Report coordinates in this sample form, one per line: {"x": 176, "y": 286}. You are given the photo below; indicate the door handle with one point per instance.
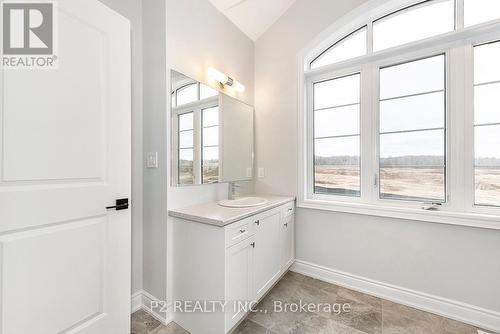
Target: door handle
{"x": 252, "y": 244}
{"x": 257, "y": 222}
{"x": 121, "y": 204}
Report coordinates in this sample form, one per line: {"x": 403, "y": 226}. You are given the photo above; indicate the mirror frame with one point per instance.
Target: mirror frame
{"x": 173, "y": 138}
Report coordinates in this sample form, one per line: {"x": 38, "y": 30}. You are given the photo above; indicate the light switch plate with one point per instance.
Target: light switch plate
{"x": 261, "y": 172}
{"x": 152, "y": 160}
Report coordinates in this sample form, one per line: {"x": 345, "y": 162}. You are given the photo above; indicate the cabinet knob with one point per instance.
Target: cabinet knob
{"x": 252, "y": 244}
{"x": 242, "y": 231}
{"x": 257, "y": 222}
{"x": 286, "y": 224}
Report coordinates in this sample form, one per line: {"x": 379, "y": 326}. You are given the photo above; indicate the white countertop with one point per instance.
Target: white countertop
{"x": 214, "y": 214}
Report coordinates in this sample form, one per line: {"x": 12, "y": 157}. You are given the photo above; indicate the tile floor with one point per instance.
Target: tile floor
{"x": 143, "y": 323}
{"x": 367, "y": 314}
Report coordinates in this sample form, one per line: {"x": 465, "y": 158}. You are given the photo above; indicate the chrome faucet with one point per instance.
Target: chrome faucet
{"x": 232, "y": 186}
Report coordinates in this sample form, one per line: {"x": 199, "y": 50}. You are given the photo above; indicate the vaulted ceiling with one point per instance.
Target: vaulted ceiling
{"x": 253, "y": 17}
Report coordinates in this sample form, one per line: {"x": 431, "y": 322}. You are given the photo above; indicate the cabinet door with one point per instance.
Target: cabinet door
{"x": 267, "y": 253}
{"x": 287, "y": 241}
{"x": 239, "y": 287}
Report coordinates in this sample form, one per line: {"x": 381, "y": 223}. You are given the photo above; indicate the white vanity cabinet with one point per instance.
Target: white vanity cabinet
{"x": 288, "y": 235}
{"x": 267, "y": 252}
{"x": 235, "y": 263}
{"x": 239, "y": 278}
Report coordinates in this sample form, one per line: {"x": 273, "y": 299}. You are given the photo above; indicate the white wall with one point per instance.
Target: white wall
{"x": 458, "y": 263}
{"x": 131, "y": 9}
{"x": 155, "y": 140}
{"x": 199, "y": 37}
{"x": 192, "y": 36}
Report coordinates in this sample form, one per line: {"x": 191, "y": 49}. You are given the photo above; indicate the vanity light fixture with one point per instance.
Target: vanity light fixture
{"x": 225, "y": 80}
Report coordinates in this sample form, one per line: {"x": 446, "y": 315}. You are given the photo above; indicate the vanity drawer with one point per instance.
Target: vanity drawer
{"x": 288, "y": 210}
{"x": 239, "y": 231}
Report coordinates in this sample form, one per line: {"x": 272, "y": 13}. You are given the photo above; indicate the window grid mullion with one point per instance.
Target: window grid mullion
{"x": 487, "y": 83}
{"x": 486, "y": 124}
{"x": 411, "y": 131}
{"x": 459, "y": 14}
{"x": 412, "y": 95}
{"x": 338, "y": 136}
{"x": 210, "y": 126}
{"x": 338, "y": 106}
{"x": 369, "y": 140}
{"x": 369, "y": 37}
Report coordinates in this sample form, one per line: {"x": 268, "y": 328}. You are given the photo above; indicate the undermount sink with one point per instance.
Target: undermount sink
{"x": 243, "y": 202}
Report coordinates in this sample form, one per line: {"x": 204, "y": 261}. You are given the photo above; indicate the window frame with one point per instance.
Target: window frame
{"x": 462, "y": 4}
{"x": 311, "y": 151}
{"x": 313, "y": 113}
{"x": 178, "y": 147}
{"x": 399, "y": 60}
{"x": 338, "y": 42}
{"x": 469, "y": 168}
{"x": 410, "y": 6}
{"x": 187, "y": 84}
{"x": 203, "y": 146}
{"x": 183, "y": 87}
{"x": 457, "y": 45}
{"x": 196, "y": 108}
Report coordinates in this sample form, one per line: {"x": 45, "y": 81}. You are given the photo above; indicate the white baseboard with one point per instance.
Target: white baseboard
{"x": 473, "y": 315}
{"x": 136, "y": 301}
{"x": 160, "y": 310}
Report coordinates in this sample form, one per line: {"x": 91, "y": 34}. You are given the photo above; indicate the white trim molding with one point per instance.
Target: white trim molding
{"x": 136, "y": 301}
{"x": 477, "y": 220}
{"x": 470, "y": 314}
{"x": 160, "y": 310}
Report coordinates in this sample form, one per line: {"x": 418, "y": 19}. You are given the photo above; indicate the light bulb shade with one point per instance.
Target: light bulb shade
{"x": 213, "y": 74}
{"x": 238, "y": 87}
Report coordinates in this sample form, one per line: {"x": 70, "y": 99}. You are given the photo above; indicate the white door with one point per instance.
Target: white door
{"x": 267, "y": 253}
{"x": 65, "y": 155}
{"x": 287, "y": 236}
{"x": 239, "y": 264}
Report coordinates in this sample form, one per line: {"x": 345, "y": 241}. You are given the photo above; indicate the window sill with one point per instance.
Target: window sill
{"x": 442, "y": 217}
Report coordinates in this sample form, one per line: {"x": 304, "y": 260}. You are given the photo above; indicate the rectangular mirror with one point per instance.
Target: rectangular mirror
{"x": 212, "y": 134}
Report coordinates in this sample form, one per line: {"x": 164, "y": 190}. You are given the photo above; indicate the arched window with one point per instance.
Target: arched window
{"x": 403, "y": 106}
{"x": 187, "y": 94}
{"x": 351, "y": 46}
{"x": 196, "y": 110}
{"x": 191, "y": 92}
